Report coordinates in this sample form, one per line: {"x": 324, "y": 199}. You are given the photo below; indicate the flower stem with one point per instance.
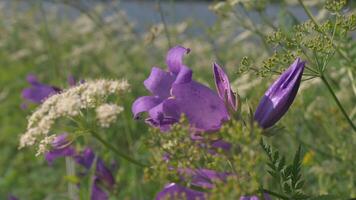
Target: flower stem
{"x": 116, "y": 151}
{"x": 325, "y": 81}
{"x": 72, "y": 189}
{"x": 166, "y": 32}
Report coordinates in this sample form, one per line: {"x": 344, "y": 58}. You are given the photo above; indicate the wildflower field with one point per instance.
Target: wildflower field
{"x": 257, "y": 104}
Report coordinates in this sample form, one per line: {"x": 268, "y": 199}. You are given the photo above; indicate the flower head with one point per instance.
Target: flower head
{"x": 280, "y": 95}
{"x": 175, "y": 93}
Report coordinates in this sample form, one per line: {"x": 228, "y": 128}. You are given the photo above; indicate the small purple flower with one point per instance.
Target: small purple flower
{"x": 175, "y": 93}
{"x": 12, "y": 197}
{"x": 38, "y": 92}
{"x": 280, "y": 95}
{"x": 223, "y": 86}
{"x": 175, "y": 191}
{"x": 61, "y": 147}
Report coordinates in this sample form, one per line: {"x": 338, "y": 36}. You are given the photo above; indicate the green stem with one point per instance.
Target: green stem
{"x": 115, "y": 150}
{"x": 325, "y": 81}
{"x": 166, "y": 32}
{"x": 275, "y": 194}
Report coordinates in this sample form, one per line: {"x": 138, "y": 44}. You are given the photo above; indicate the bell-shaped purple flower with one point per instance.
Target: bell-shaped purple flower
{"x": 175, "y": 93}
{"x": 61, "y": 147}
{"x": 38, "y": 92}
{"x": 280, "y": 95}
{"x": 175, "y": 191}
{"x": 223, "y": 87}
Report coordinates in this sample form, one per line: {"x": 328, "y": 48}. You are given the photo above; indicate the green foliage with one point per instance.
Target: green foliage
{"x": 288, "y": 176}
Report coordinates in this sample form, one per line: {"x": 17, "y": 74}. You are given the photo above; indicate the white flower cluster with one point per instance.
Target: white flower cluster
{"x": 107, "y": 114}
{"x": 68, "y": 103}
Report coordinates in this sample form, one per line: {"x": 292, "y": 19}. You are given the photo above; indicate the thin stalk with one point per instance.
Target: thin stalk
{"x": 116, "y": 151}
{"x": 275, "y": 194}
{"x": 72, "y": 189}
{"x": 166, "y": 32}
{"x": 325, "y": 81}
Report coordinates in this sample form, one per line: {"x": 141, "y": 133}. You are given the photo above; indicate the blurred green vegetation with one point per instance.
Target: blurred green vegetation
{"x": 35, "y": 40}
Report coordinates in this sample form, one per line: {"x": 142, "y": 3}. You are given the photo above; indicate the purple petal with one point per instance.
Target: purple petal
{"x": 38, "y": 92}
{"x": 12, "y": 197}
{"x": 32, "y": 79}
{"x": 97, "y": 193}
{"x": 226, "y": 146}
{"x": 159, "y": 82}
{"x": 61, "y": 147}
{"x": 85, "y": 158}
{"x": 223, "y": 86}
{"x": 174, "y": 58}
{"x": 144, "y": 104}
{"x": 164, "y": 114}
{"x": 175, "y": 191}
{"x": 104, "y": 174}
{"x": 280, "y": 95}
{"x": 184, "y": 75}
{"x": 56, "y": 153}
{"x": 205, "y": 178}
{"x": 202, "y": 106}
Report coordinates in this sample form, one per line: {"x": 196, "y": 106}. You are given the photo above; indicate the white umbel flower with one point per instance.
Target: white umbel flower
{"x": 107, "y": 114}
{"x": 69, "y": 103}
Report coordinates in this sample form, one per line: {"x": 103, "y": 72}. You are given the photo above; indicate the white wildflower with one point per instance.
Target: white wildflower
{"x": 107, "y": 114}
{"x": 69, "y": 103}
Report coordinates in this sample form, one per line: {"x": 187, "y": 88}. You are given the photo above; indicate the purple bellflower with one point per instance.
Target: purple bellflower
{"x": 38, "y": 92}
{"x": 280, "y": 95}
{"x": 175, "y": 93}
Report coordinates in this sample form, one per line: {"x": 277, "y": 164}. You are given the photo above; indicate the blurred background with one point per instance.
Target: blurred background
{"x": 89, "y": 39}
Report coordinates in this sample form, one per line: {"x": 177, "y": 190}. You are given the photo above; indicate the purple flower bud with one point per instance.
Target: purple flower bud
{"x": 175, "y": 191}
{"x": 223, "y": 86}
{"x": 280, "y": 95}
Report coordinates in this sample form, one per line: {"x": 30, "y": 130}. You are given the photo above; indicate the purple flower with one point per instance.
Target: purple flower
{"x": 175, "y": 93}
{"x": 280, "y": 95}
{"x": 175, "y": 191}
{"x": 85, "y": 158}
{"x": 38, "y": 92}
{"x": 61, "y": 147}
{"x": 223, "y": 86}
{"x": 254, "y": 197}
